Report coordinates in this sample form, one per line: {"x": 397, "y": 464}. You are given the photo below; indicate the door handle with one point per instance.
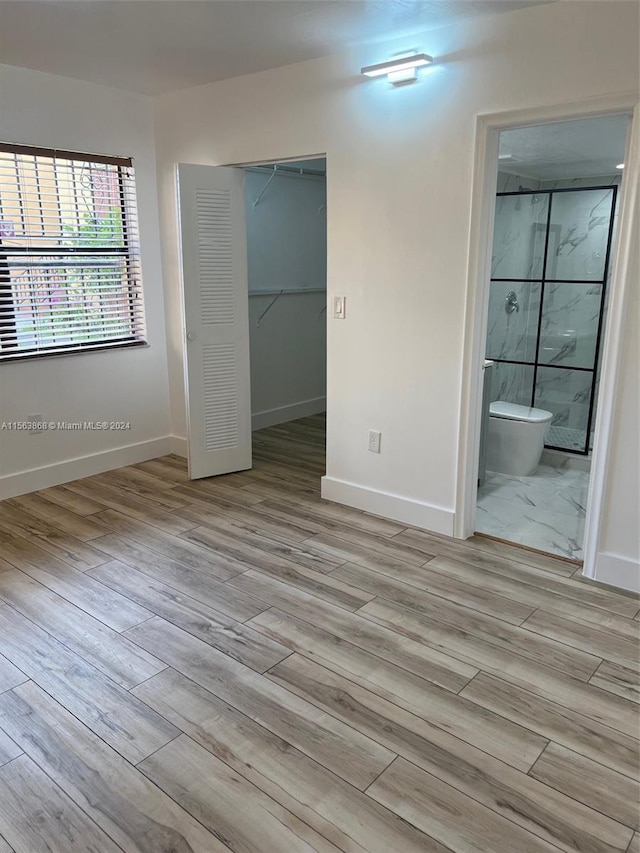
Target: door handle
{"x": 191, "y": 336}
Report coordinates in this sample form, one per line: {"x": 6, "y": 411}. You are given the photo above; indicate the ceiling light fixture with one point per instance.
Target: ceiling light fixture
{"x": 620, "y": 166}
{"x": 402, "y": 69}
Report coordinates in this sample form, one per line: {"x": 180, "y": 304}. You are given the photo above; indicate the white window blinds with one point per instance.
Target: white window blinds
{"x": 69, "y": 253}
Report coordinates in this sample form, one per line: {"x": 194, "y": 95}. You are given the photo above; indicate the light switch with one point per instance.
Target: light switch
{"x": 339, "y": 307}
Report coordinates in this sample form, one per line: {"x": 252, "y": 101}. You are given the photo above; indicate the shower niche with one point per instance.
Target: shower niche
{"x": 550, "y": 266}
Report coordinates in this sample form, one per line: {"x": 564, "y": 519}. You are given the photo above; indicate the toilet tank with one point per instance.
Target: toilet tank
{"x": 515, "y": 412}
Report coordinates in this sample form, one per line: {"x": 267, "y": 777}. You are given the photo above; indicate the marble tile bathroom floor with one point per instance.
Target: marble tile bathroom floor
{"x": 545, "y": 511}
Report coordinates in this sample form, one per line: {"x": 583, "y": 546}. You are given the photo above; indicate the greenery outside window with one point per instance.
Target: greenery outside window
{"x": 69, "y": 253}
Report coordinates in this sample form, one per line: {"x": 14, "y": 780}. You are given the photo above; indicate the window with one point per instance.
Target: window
{"x": 69, "y": 254}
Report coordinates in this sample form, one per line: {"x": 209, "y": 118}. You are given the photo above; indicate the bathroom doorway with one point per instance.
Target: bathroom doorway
{"x": 555, "y": 222}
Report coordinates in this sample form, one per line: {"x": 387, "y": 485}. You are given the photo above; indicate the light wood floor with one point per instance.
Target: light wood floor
{"x": 233, "y": 664}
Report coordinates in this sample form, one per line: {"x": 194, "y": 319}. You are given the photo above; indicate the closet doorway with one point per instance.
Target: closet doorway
{"x": 287, "y": 283}
{"x": 254, "y": 258}
{"x": 286, "y": 204}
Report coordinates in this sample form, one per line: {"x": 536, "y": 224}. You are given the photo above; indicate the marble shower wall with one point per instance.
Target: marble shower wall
{"x": 516, "y": 183}
{"x": 579, "y": 233}
{"x": 512, "y": 383}
{"x": 518, "y": 236}
{"x": 571, "y": 311}
{"x": 566, "y": 393}
{"x": 513, "y": 336}
{"x": 584, "y": 317}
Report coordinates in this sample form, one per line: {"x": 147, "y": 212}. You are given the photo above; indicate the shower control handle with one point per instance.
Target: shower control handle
{"x": 511, "y": 303}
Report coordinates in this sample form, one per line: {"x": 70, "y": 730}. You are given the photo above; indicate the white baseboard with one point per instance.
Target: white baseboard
{"x": 617, "y": 571}
{"x": 282, "y": 414}
{"x": 179, "y": 446}
{"x": 34, "y": 479}
{"x": 435, "y": 519}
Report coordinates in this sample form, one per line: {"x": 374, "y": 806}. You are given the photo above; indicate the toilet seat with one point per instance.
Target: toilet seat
{"x": 515, "y": 412}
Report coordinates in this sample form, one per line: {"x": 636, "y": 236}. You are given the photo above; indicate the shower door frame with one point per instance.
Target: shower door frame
{"x": 543, "y": 280}
{"x": 485, "y": 176}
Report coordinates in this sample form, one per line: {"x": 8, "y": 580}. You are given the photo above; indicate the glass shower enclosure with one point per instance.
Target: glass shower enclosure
{"x": 551, "y": 259}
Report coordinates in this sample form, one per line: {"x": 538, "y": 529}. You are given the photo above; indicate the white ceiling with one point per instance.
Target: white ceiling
{"x": 568, "y": 149}
{"x": 155, "y": 46}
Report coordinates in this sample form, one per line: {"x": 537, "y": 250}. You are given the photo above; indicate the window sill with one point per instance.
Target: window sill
{"x": 81, "y": 350}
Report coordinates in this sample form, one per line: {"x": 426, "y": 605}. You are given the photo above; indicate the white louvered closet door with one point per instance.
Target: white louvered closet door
{"x": 214, "y": 274}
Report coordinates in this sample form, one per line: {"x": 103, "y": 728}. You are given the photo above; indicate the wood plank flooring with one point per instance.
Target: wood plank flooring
{"x": 233, "y": 664}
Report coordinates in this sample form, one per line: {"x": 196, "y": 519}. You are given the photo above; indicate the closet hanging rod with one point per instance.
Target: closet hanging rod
{"x": 287, "y": 291}
{"x": 287, "y": 171}
{"x": 281, "y": 170}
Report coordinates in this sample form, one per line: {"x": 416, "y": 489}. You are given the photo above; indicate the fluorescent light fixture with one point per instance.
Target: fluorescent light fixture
{"x": 404, "y": 75}
{"x": 620, "y": 166}
{"x": 394, "y": 68}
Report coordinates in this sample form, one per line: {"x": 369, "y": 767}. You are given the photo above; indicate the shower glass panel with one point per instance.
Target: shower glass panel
{"x": 569, "y": 327}
{"x": 580, "y": 253}
{"x": 551, "y": 255}
{"x": 566, "y": 393}
{"x": 512, "y": 382}
{"x": 519, "y": 236}
{"x": 512, "y": 336}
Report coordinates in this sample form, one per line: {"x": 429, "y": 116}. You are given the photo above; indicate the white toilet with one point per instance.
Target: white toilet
{"x": 515, "y": 438}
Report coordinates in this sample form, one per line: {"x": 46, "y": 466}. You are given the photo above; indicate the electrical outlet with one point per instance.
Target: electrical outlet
{"x": 374, "y": 440}
{"x": 35, "y": 419}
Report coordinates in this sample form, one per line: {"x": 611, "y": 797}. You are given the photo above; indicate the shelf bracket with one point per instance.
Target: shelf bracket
{"x": 266, "y": 186}
{"x": 269, "y": 307}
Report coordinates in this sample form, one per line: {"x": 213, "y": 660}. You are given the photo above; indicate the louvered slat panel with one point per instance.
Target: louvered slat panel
{"x": 213, "y": 210}
{"x": 221, "y": 396}
{"x": 214, "y": 277}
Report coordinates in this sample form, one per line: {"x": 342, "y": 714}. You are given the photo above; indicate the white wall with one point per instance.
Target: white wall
{"x": 618, "y": 558}
{"x": 123, "y": 385}
{"x": 286, "y": 250}
{"x": 286, "y": 231}
{"x": 399, "y": 170}
{"x": 288, "y": 357}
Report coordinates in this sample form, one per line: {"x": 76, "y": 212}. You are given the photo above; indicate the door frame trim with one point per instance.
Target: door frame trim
{"x": 485, "y": 173}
